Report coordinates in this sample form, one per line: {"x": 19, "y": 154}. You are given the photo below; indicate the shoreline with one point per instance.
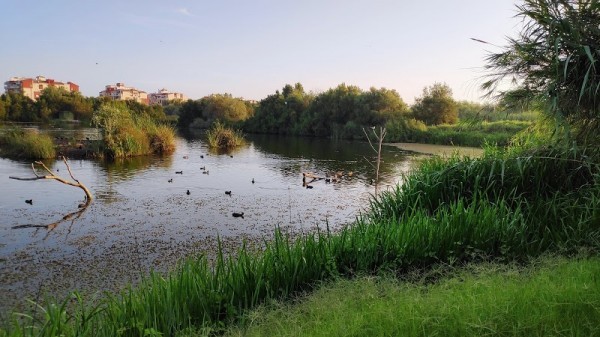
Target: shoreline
{"x": 439, "y": 150}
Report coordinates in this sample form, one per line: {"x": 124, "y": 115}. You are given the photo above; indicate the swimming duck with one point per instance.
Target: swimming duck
{"x": 188, "y": 192}
{"x": 29, "y": 201}
{"x": 309, "y": 186}
{"x": 253, "y": 180}
{"x": 238, "y": 215}
{"x": 171, "y": 180}
{"x": 178, "y": 172}
{"x": 228, "y": 193}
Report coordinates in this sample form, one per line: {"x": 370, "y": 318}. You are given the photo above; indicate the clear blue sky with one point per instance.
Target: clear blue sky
{"x": 250, "y": 48}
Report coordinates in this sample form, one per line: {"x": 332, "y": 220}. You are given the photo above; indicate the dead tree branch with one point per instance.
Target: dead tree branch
{"x": 51, "y": 175}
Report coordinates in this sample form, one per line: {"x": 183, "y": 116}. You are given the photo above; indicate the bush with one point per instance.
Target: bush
{"x": 222, "y": 137}
{"x": 27, "y": 144}
{"x": 126, "y": 134}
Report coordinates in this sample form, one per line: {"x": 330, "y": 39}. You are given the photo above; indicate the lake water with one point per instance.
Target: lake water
{"x": 140, "y": 221}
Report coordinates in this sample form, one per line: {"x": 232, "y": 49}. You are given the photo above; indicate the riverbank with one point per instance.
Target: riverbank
{"x": 439, "y": 150}
{"x": 500, "y": 207}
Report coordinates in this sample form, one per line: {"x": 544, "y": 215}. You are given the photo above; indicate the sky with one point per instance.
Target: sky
{"x": 252, "y": 48}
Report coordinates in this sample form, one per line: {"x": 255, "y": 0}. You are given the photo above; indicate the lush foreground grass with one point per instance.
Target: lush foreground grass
{"x": 551, "y": 297}
{"x": 26, "y": 144}
{"x": 504, "y": 206}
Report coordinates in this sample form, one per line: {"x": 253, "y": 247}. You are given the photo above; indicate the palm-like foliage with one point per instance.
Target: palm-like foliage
{"x": 554, "y": 59}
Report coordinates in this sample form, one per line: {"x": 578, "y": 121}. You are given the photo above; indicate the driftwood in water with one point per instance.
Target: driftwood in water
{"x": 51, "y": 175}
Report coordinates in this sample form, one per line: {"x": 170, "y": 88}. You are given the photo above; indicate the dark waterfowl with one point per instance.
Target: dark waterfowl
{"x": 171, "y": 180}
{"x": 185, "y": 157}
{"x": 253, "y": 180}
{"x": 188, "y": 192}
{"x": 309, "y": 186}
{"x": 228, "y": 193}
{"x": 205, "y": 172}
{"x": 178, "y": 172}
{"x": 201, "y": 156}
{"x": 29, "y": 201}
{"x": 238, "y": 215}
{"x": 203, "y": 168}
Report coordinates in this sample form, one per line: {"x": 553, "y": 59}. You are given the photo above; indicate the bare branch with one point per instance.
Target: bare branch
{"x": 51, "y": 175}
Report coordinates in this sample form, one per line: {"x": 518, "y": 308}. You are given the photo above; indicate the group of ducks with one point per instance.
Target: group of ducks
{"x": 333, "y": 178}
{"x": 205, "y": 171}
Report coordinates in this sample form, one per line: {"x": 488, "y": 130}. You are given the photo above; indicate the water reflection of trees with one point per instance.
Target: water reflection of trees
{"x": 324, "y": 156}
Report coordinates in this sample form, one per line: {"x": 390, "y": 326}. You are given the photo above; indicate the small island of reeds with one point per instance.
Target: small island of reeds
{"x": 26, "y": 144}
{"x": 220, "y": 136}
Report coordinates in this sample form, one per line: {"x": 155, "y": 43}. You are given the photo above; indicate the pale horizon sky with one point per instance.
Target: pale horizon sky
{"x": 250, "y": 49}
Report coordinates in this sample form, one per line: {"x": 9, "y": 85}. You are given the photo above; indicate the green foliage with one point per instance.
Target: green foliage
{"x": 549, "y": 297}
{"x": 18, "y": 108}
{"x": 224, "y": 107}
{"x": 222, "y": 137}
{"x": 553, "y": 60}
{"x": 54, "y": 102}
{"x": 341, "y": 112}
{"x": 26, "y": 144}
{"x": 436, "y": 106}
{"x": 126, "y": 133}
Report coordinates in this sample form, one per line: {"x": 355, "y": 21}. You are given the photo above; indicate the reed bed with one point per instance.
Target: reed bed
{"x": 504, "y": 206}
{"x": 222, "y": 137}
{"x": 27, "y": 144}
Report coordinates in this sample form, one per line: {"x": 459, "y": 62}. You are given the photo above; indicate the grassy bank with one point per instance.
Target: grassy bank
{"x": 476, "y": 134}
{"x": 26, "y": 144}
{"x": 549, "y": 297}
{"x": 504, "y": 206}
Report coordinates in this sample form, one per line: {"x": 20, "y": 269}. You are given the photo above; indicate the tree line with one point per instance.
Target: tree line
{"x": 340, "y": 112}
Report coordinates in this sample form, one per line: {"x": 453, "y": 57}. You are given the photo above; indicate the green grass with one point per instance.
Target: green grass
{"x": 26, "y": 144}
{"x": 504, "y": 206}
{"x": 125, "y": 134}
{"x": 551, "y": 297}
{"x": 469, "y": 133}
{"x": 222, "y": 137}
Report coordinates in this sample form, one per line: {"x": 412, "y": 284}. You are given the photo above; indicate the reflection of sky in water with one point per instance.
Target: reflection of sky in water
{"x": 136, "y": 192}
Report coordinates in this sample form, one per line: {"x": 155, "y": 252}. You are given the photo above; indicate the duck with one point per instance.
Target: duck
{"x": 29, "y": 201}
{"x": 238, "y": 215}
{"x": 178, "y": 172}
{"x": 205, "y": 172}
{"x": 185, "y": 157}
{"x": 228, "y": 193}
{"x": 201, "y": 156}
{"x": 171, "y": 180}
{"x": 253, "y": 180}
{"x": 309, "y": 186}
{"x": 203, "y": 168}
{"x": 231, "y": 156}
{"x": 188, "y": 192}
{"x": 327, "y": 180}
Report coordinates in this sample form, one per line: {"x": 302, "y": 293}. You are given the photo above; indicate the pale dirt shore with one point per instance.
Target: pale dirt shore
{"x": 440, "y": 150}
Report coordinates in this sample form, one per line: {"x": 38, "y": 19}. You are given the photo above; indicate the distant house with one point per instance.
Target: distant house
{"x": 164, "y": 97}
{"x": 120, "y": 92}
{"x": 33, "y": 87}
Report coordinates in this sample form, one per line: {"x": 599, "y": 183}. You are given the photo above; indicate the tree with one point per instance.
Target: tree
{"x": 554, "y": 60}
{"x": 436, "y": 106}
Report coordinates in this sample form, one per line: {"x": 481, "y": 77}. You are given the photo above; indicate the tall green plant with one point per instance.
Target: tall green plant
{"x": 554, "y": 60}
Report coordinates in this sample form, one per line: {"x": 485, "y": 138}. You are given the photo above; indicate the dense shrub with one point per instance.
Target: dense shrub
{"x": 26, "y": 144}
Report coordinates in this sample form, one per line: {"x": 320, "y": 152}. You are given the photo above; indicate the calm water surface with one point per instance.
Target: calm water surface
{"x": 141, "y": 221}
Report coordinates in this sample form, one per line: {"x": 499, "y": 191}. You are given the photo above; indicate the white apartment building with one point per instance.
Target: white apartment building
{"x": 120, "y": 92}
{"x": 33, "y": 87}
{"x": 164, "y": 96}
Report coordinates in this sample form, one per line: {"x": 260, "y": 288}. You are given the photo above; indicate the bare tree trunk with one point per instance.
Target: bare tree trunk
{"x": 51, "y": 175}
{"x": 379, "y": 137}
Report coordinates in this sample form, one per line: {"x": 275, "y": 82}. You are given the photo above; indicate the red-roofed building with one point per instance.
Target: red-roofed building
{"x": 33, "y": 87}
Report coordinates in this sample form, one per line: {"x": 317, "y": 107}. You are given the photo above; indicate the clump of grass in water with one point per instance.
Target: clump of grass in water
{"x": 27, "y": 144}
{"x": 222, "y": 137}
